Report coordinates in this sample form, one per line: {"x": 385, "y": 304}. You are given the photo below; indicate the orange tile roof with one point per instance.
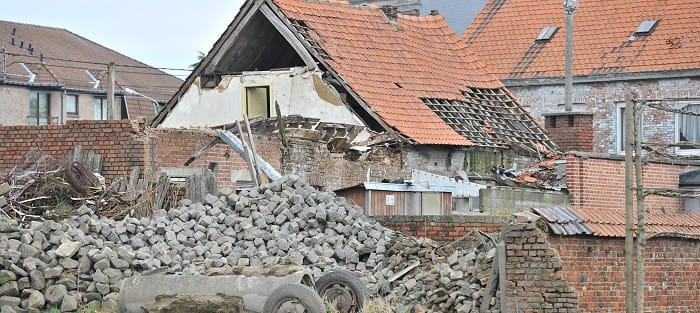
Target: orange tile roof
{"x": 503, "y": 35}
{"x": 611, "y": 223}
{"x": 393, "y": 66}
{"x": 67, "y": 56}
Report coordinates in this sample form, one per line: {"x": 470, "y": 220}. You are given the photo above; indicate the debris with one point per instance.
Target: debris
{"x": 283, "y": 222}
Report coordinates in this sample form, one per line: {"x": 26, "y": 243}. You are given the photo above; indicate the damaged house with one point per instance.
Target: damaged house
{"x": 391, "y": 80}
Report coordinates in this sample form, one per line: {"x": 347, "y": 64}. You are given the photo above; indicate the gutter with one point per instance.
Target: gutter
{"x": 600, "y": 78}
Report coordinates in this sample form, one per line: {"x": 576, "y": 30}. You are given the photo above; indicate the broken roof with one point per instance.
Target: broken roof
{"x": 60, "y": 58}
{"x": 611, "y": 223}
{"x": 411, "y": 75}
{"x": 606, "y": 37}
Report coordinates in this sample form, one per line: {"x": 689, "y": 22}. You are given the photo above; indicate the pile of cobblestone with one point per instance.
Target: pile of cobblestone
{"x": 84, "y": 259}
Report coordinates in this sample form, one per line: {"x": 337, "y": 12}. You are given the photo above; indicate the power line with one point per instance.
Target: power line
{"x": 95, "y": 63}
{"x": 103, "y": 70}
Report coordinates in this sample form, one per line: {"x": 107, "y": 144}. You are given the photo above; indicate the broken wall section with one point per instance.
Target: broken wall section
{"x": 535, "y": 281}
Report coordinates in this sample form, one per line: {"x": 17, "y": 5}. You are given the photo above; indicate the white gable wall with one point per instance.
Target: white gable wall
{"x": 298, "y": 91}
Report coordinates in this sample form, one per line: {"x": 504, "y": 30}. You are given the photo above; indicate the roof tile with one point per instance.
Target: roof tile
{"x": 394, "y": 65}
{"x": 67, "y": 57}
{"x": 602, "y": 30}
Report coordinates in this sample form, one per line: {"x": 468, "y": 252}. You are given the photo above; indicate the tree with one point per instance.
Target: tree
{"x": 200, "y": 57}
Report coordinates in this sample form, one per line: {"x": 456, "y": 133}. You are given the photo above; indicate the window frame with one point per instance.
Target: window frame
{"x": 77, "y": 105}
{"x": 36, "y": 119}
{"x": 620, "y": 109}
{"x": 103, "y": 108}
{"x": 244, "y": 105}
{"x": 682, "y": 105}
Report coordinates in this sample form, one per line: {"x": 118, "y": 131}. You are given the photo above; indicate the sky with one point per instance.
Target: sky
{"x": 160, "y": 33}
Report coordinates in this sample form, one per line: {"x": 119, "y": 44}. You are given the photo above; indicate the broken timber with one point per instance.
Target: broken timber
{"x": 237, "y": 146}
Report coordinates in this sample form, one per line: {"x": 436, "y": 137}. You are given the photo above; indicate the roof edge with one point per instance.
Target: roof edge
{"x": 598, "y": 78}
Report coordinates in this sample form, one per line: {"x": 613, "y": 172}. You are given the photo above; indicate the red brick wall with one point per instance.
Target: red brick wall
{"x": 442, "y": 228}
{"x": 536, "y": 281}
{"x": 595, "y": 266}
{"x": 120, "y": 143}
{"x": 171, "y": 148}
{"x": 571, "y": 132}
{"x": 598, "y": 182}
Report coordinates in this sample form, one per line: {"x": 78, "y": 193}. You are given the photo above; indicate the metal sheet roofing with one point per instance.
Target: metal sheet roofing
{"x": 611, "y": 223}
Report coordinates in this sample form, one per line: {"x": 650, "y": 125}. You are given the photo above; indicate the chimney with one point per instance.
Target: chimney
{"x": 434, "y": 12}
{"x": 390, "y": 11}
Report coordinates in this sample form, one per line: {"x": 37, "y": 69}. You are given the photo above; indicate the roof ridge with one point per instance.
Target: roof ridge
{"x": 32, "y": 25}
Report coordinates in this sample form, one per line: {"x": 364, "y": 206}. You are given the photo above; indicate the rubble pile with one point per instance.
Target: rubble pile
{"x": 83, "y": 259}
{"x": 437, "y": 278}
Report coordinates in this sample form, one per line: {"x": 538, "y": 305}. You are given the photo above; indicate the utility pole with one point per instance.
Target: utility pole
{"x": 111, "y": 109}
{"x": 641, "y": 221}
{"x": 629, "y": 221}
{"x": 569, "y": 7}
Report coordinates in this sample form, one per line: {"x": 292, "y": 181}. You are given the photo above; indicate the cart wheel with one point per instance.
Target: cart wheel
{"x": 294, "y": 298}
{"x": 342, "y": 290}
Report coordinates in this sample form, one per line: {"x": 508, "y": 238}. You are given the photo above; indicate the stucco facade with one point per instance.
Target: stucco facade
{"x": 15, "y": 105}
{"x": 297, "y": 90}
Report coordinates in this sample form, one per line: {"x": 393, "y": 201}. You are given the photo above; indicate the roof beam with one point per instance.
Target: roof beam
{"x": 289, "y": 36}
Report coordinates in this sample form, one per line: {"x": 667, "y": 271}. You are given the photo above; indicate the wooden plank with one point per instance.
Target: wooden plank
{"x": 248, "y": 158}
{"x": 237, "y": 146}
{"x": 280, "y": 124}
{"x": 261, "y": 178}
{"x": 78, "y": 153}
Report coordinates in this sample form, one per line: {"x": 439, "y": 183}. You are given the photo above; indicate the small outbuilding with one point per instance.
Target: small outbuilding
{"x": 399, "y": 198}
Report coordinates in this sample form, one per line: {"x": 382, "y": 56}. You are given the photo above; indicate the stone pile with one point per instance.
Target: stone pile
{"x": 444, "y": 279}
{"x": 84, "y": 259}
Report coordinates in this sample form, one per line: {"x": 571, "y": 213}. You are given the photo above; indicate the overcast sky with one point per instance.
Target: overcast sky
{"x": 160, "y": 33}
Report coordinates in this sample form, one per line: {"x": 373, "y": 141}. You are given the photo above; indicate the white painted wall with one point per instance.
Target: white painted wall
{"x": 297, "y": 90}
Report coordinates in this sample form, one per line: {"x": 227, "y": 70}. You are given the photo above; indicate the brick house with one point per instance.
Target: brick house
{"x": 51, "y": 75}
{"x": 651, "y": 46}
{"x": 406, "y": 77}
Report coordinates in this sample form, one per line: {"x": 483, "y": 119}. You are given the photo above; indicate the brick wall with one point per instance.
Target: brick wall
{"x": 534, "y": 271}
{"x": 603, "y": 101}
{"x": 119, "y": 142}
{"x": 171, "y": 148}
{"x": 442, "y": 228}
{"x": 595, "y": 266}
{"x": 571, "y": 131}
{"x": 598, "y": 182}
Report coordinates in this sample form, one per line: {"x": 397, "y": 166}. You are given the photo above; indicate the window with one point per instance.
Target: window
{"x": 689, "y": 125}
{"x": 72, "y": 104}
{"x": 100, "y": 108}
{"x": 621, "y": 128}
{"x": 646, "y": 27}
{"x": 546, "y": 33}
{"x": 39, "y": 112}
{"x": 257, "y": 101}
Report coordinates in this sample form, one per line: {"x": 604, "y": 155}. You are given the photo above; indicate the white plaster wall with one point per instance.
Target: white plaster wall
{"x": 14, "y": 105}
{"x": 296, "y": 90}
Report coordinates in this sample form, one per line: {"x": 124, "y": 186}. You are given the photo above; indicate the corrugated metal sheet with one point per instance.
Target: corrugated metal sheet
{"x": 563, "y": 221}
{"x": 611, "y": 223}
